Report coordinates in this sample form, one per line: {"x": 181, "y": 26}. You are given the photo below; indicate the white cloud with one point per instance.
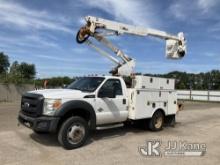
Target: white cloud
{"x": 73, "y": 70}
{"x": 25, "y": 18}
{"x": 188, "y": 10}
{"x": 131, "y": 11}
{"x": 41, "y": 41}
{"x": 70, "y": 68}
{"x": 206, "y": 5}
{"x": 33, "y": 41}
{"x": 210, "y": 54}
{"x": 75, "y": 61}
{"x": 215, "y": 28}
{"x": 177, "y": 10}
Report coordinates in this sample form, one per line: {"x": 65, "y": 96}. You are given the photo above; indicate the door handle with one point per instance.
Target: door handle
{"x": 124, "y": 101}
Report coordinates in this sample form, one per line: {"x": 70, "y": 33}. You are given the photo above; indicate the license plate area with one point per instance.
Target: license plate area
{"x": 28, "y": 124}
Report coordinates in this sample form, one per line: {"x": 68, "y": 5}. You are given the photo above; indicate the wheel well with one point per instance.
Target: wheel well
{"x": 161, "y": 110}
{"x": 75, "y": 112}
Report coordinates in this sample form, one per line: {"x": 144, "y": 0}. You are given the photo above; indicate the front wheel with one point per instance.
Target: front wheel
{"x": 73, "y": 132}
{"x": 157, "y": 121}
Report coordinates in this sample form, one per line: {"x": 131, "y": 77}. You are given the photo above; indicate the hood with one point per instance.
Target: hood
{"x": 60, "y": 93}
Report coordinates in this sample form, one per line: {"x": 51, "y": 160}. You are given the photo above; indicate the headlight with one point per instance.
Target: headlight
{"x": 51, "y": 105}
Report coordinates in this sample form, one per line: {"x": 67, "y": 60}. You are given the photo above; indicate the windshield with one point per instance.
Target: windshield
{"x": 88, "y": 84}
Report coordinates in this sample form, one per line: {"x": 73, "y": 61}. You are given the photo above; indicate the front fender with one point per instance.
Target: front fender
{"x": 78, "y": 104}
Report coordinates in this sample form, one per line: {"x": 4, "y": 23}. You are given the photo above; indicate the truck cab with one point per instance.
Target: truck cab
{"x": 107, "y": 95}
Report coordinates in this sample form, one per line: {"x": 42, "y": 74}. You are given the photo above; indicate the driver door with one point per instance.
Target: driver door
{"x": 111, "y": 103}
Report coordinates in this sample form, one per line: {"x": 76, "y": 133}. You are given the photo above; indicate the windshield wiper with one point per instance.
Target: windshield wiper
{"x": 86, "y": 90}
{"x": 76, "y": 88}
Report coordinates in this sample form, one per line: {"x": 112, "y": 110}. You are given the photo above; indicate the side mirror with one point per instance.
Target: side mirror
{"x": 109, "y": 93}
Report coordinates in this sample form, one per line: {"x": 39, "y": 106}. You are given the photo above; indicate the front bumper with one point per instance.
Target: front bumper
{"x": 41, "y": 124}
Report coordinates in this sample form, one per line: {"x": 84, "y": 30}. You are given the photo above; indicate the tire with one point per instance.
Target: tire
{"x": 73, "y": 133}
{"x": 157, "y": 121}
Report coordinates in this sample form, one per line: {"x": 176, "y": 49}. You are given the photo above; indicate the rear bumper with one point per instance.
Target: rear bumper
{"x": 41, "y": 124}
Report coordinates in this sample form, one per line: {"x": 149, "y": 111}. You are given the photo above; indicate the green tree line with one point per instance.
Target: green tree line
{"x": 54, "y": 82}
{"x": 197, "y": 81}
{"x": 16, "y": 72}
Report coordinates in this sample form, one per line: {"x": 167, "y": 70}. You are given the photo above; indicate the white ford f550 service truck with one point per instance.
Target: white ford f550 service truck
{"x": 97, "y": 103}
{"x": 102, "y": 102}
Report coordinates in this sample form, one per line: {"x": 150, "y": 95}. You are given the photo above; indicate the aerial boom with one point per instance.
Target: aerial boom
{"x": 99, "y": 28}
{"x": 121, "y": 28}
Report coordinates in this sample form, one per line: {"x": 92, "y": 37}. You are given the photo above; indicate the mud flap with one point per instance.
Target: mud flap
{"x": 170, "y": 120}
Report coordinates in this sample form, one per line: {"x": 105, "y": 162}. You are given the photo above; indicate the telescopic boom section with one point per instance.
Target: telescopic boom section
{"x": 98, "y": 28}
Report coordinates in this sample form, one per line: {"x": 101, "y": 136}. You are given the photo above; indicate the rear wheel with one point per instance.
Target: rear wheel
{"x": 73, "y": 132}
{"x": 157, "y": 121}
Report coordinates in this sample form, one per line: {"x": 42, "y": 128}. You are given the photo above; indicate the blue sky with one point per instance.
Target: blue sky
{"x": 43, "y": 32}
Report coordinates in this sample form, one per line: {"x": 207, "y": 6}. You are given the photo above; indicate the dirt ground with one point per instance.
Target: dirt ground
{"x": 197, "y": 123}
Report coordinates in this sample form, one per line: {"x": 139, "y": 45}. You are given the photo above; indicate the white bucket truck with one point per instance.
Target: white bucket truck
{"x": 101, "y": 102}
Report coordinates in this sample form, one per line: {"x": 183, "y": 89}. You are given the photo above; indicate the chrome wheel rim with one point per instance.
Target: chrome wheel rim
{"x": 75, "y": 133}
{"x": 158, "y": 122}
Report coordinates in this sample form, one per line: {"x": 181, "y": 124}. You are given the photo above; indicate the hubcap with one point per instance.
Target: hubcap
{"x": 75, "y": 133}
{"x": 158, "y": 122}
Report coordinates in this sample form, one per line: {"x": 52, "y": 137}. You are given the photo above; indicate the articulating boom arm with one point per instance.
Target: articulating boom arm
{"x": 98, "y": 28}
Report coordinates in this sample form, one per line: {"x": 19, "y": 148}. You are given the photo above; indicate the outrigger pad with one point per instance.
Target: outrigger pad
{"x": 82, "y": 35}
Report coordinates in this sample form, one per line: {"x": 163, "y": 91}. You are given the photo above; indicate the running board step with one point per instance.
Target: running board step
{"x": 109, "y": 126}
